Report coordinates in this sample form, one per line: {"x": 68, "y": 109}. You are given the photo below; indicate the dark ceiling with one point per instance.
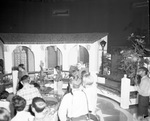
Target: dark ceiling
{"x": 118, "y": 18}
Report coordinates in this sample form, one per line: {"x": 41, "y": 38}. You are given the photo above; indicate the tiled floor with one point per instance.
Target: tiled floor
{"x": 111, "y": 111}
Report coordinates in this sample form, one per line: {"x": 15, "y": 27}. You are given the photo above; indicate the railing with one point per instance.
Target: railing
{"x": 123, "y": 96}
{"x": 33, "y": 75}
{"x": 8, "y": 76}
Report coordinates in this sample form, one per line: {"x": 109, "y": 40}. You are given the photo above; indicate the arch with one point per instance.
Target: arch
{"x": 24, "y": 55}
{"x": 83, "y": 55}
{"x": 78, "y": 53}
{"x": 54, "y": 56}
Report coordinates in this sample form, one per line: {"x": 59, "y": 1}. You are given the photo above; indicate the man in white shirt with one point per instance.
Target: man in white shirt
{"x": 74, "y": 104}
{"x": 144, "y": 92}
{"x": 19, "y": 104}
{"x": 91, "y": 92}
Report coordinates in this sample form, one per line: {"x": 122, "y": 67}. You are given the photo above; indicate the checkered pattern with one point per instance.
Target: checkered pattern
{"x": 28, "y": 92}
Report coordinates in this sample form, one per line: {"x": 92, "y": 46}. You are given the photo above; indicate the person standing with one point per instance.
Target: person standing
{"x": 58, "y": 80}
{"x": 91, "y": 92}
{"x": 74, "y": 104}
{"x": 144, "y": 92}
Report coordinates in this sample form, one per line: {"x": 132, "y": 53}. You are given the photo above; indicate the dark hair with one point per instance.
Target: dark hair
{"x": 76, "y": 81}
{"x": 4, "y": 114}
{"x": 57, "y": 67}
{"x": 18, "y": 102}
{"x": 38, "y": 108}
{"x": 35, "y": 85}
{"x": 24, "y": 78}
{"x": 72, "y": 70}
{"x": 21, "y": 66}
{"x": 144, "y": 69}
{"x": 4, "y": 94}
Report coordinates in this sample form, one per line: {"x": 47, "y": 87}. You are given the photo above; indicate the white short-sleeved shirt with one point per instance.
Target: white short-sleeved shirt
{"x": 23, "y": 116}
{"x": 73, "y": 105}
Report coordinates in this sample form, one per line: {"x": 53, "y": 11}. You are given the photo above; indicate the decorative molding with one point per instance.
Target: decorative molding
{"x": 64, "y": 46}
{"x": 42, "y": 47}
{"x": 19, "y": 38}
{"x": 88, "y": 47}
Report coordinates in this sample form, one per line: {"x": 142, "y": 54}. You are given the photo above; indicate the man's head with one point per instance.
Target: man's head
{"x": 19, "y": 103}
{"x": 21, "y": 67}
{"x": 58, "y": 68}
{"x": 142, "y": 71}
{"x": 25, "y": 79}
{"x": 38, "y": 105}
{"x": 75, "y": 81}
{"x": 4, "y": 114}
{"x": 73, "y": 70}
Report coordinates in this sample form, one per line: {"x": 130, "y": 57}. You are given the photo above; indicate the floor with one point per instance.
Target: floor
{"x": 111, "y": 111}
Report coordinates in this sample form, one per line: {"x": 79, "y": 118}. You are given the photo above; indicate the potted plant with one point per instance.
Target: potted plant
{"x": 133, "y": 58}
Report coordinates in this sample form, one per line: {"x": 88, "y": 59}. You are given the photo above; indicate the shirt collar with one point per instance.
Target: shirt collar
{"x": 27, "y": 85}
{"x": 20, "y": 112}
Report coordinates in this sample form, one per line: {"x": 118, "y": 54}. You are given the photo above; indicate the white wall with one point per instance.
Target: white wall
{"x": 39, "y": 51}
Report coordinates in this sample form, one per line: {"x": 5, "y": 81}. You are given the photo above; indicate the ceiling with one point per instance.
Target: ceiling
{"x": 108, "y": 16}
{"x": 41, "y": 0}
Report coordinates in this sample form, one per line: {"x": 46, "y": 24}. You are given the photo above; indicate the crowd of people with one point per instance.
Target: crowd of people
{"x": 78, "y": 102}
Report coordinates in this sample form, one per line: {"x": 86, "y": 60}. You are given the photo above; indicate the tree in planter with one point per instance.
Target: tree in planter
{"x": 133, "y": 58}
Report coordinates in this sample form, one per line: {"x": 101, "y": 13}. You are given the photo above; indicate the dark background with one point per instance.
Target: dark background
{"x": 118, "y": 18}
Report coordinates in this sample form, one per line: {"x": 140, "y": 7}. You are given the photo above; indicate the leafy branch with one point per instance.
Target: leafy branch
{"x": 132, "y": 58}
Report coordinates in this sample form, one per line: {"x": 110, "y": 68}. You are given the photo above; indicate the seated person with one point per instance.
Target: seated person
{"x": 28, "y": 92}
{"x": 36, "y": 85}
{"x": 74, "y": 104}
{"x": 4, "y": 114}
{"x": 41, "y": 111}
{"x": 19, "y": 104}
{"x": 21, "y": 73}
{"x": 3, "y": 93}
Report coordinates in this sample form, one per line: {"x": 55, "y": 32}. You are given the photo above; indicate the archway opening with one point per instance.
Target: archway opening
{"x": 23, "y": 55}
{"x": 54, "y": 56}
{"x": 78, "y": 54}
